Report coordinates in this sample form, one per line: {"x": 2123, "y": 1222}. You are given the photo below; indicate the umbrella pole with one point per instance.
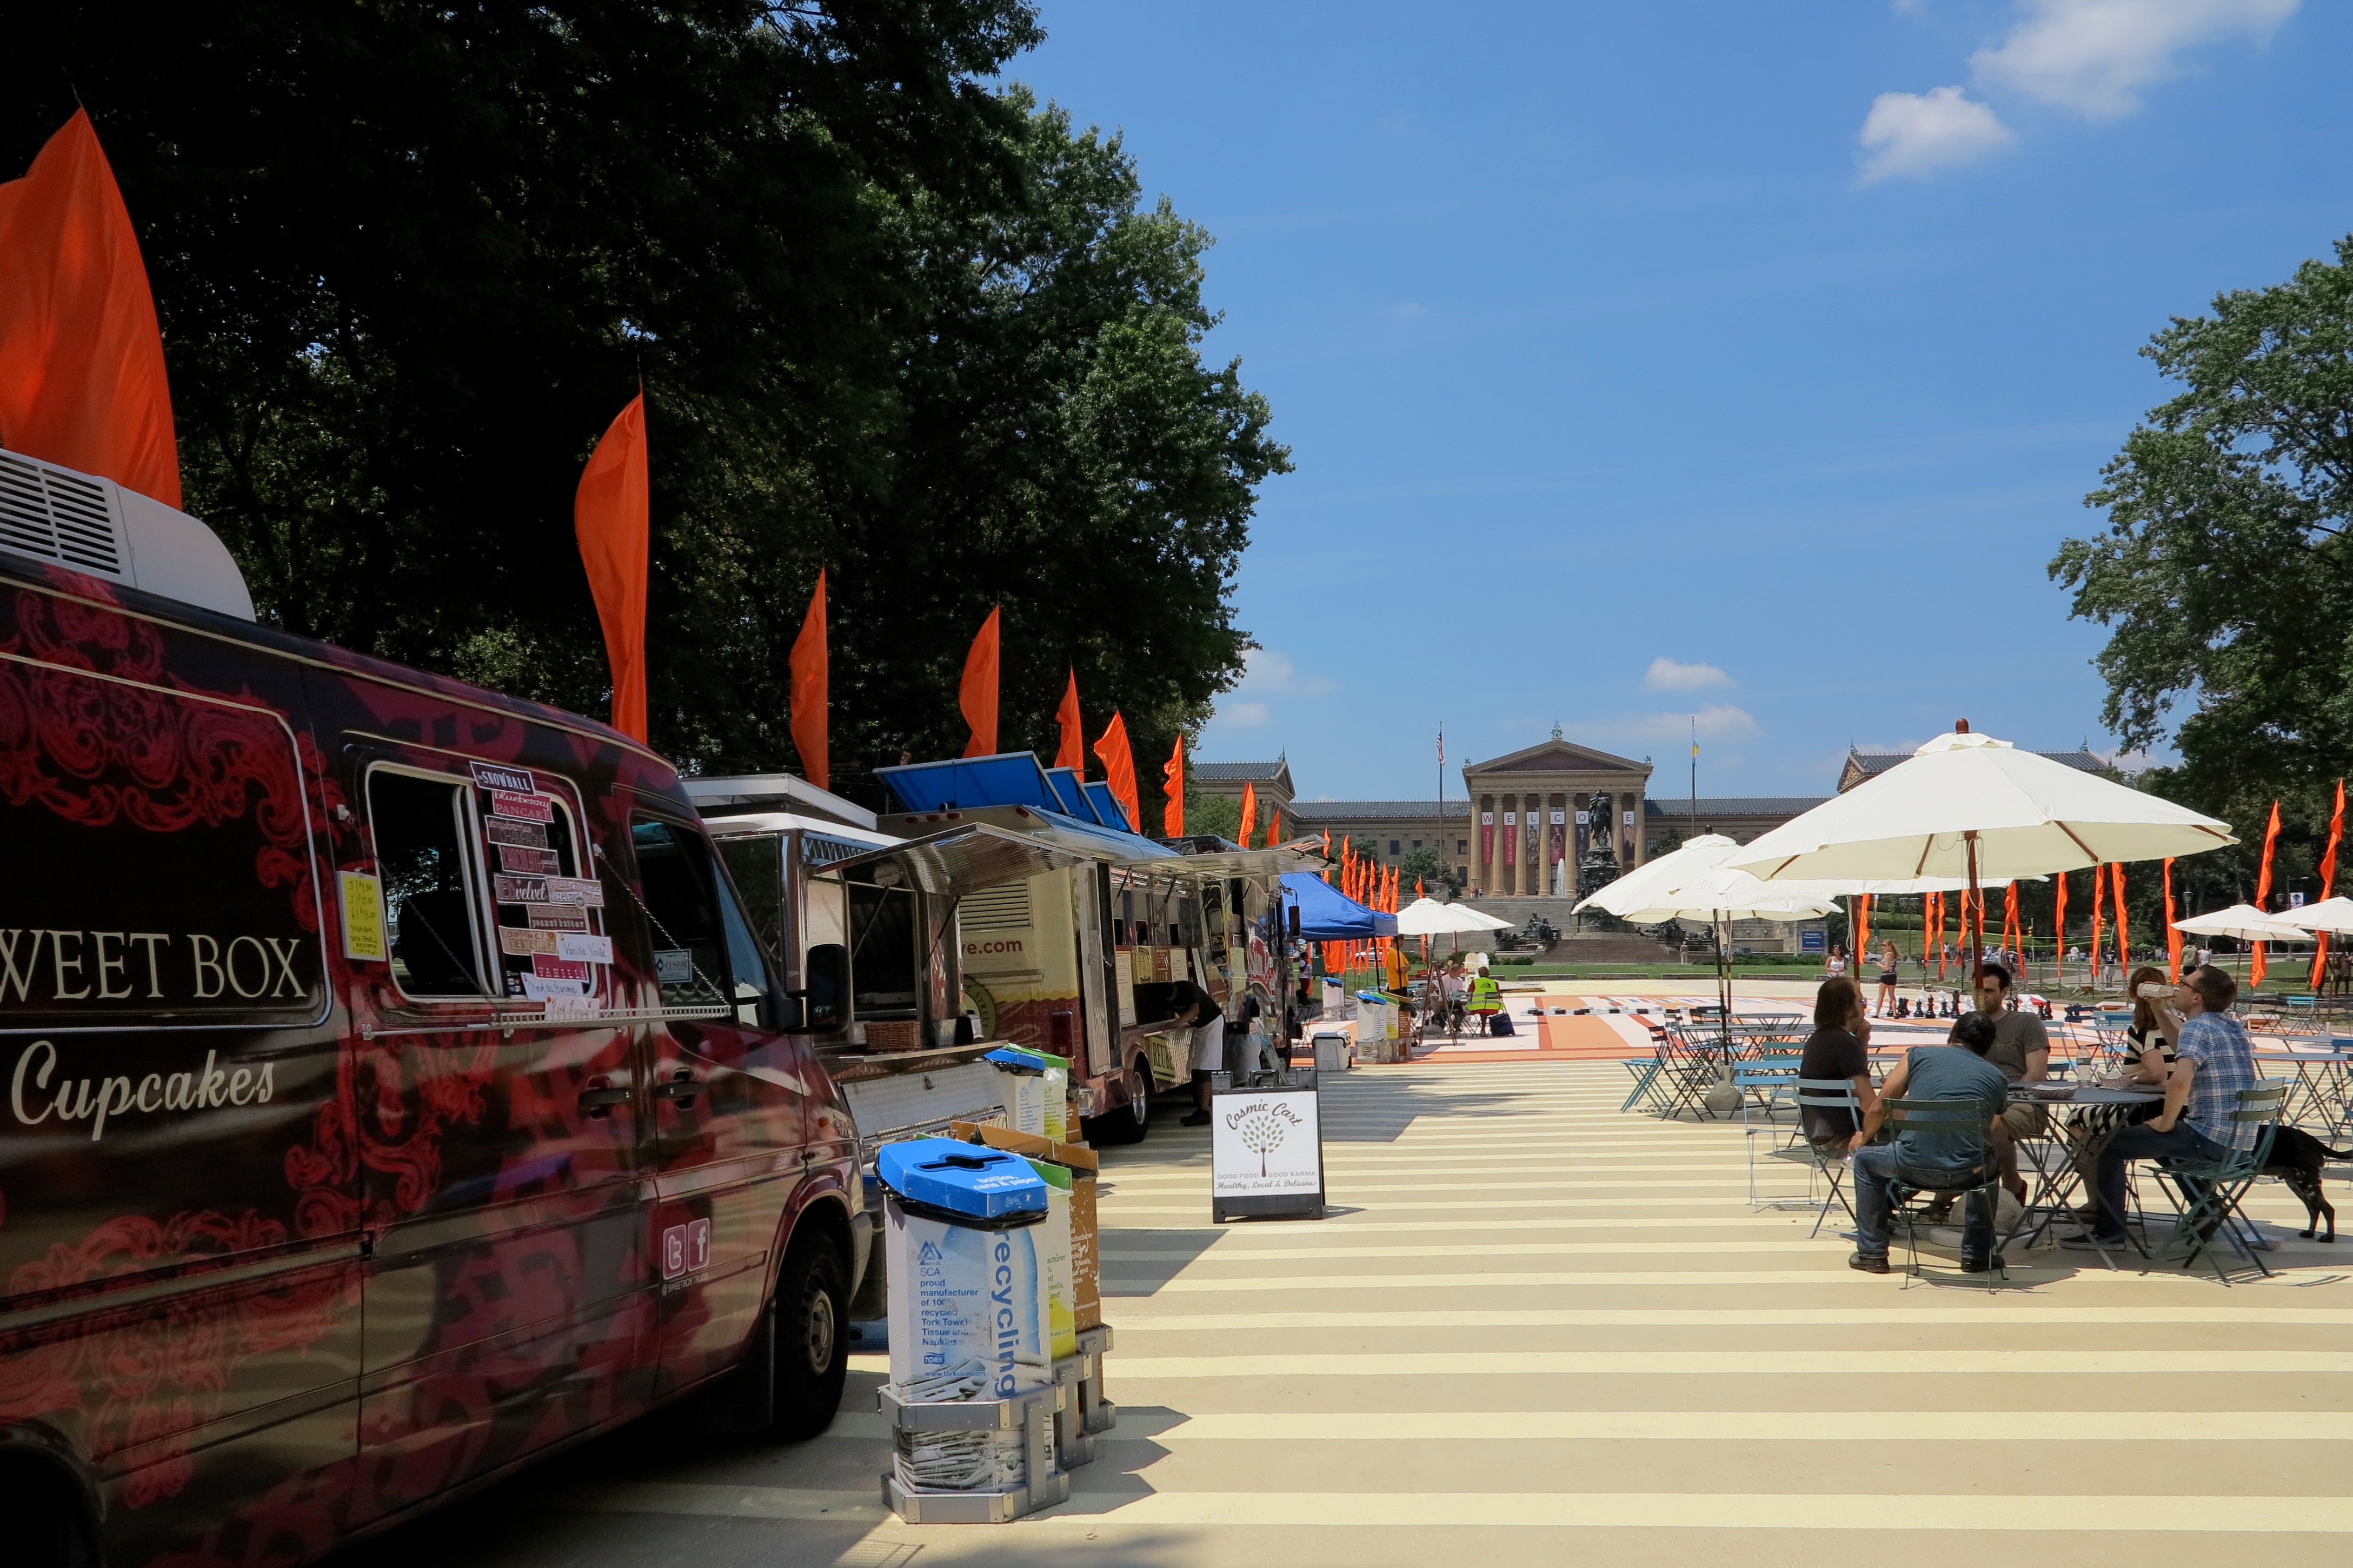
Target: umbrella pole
{"x": 1723, "y": 984}
{"x": 1977, "y": 929}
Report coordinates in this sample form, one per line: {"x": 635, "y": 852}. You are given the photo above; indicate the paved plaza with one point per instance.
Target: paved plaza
{"x": 1536, "y": 1329}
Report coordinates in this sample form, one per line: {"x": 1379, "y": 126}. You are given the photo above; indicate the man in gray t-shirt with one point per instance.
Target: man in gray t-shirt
{"x": 1926, "y": 1157}
{"x": 2022, "y": 1049}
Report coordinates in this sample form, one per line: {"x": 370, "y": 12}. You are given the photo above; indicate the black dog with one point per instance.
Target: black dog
{"x": 2296, "y": 1158}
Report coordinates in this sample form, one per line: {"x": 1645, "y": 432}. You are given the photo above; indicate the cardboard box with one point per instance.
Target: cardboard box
{"x": 1082, "y": 1163}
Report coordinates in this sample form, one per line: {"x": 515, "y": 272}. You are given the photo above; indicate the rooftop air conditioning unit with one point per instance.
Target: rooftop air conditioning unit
{"x": 96, "y": 526}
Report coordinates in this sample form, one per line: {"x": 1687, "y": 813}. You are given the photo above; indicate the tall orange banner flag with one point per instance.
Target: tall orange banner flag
{"x": 2172, "y": 937}
{"x": 81, "y": 358}
{"x": 1172, "y": 792}
{"x": 2328, "y": 883}
{"x": 1250, "y": 816}
{"x": 976, "y": 697}
{"x": 2013, "y": 931}
{"x": 1073, "y": 753}
{"x": 2124, "y": 922}
{"x": 2264, "y": 895}
{"x": 811, "y": 673}
{"x": 608, "y": 516}
{"x": 2058, "y": 931}
{"x": 1119, "y": 768}
{"x": 2099, "y": 899}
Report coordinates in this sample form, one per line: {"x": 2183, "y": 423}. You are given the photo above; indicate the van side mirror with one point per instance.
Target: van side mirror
{"x": 1294, "y": 922}
{"x": 824, "y": 1002}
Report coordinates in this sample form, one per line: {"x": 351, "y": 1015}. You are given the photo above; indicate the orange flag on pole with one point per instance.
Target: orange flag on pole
{"x": 2328, "y": 883}
{"x": 2058, "y": 931}
{"x": 2123, "y": 923}
{"x": 2173, "y": 937}
{"x": 1073, "y": 753}
{"x": 2264, "y": 895}
{"x": 1250, "y": 816}
{"x": 81, "y": 358}
{"x": 1172, "y": 790}
{"x": 1273, "y": 825}
{"x": 2099, "y": 899}
{"x": 2013, "y": 931}
{"x": 608, "y": 516}
{"x": 1119, "y": 767}
{"x": 811, "y": 673}
{"x": 976, "y": 697}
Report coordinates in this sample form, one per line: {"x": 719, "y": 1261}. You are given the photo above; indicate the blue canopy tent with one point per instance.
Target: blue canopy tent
{"x": 1327, "y": 914}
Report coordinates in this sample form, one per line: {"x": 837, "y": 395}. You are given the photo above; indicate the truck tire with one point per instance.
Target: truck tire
{"x": 1130, "y": 1122}
{"x": 812, "y": 1338}
{"x": 46, "y": 1525}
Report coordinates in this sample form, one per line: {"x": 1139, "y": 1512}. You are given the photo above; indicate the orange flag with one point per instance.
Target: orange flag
{"x": 1172, "y": 787}
{"x": 1119, "y": 767}
{"x": 1074, "y": 753}
{"x": 2123, "y": 925}
{"x": 1273, "y": 825}
{"x": 810, "y": 718}
{"x": 1250, "y": 816}
{"x": 2264, "y": 895}
{"x": 1861, "y": 931}
{"x": 608, "y": 515}
{"x": 2099, "y": 897}
{"x": 2328, "y": 884}
{"x": 2058, "y": 929}
{"x": 2013, "y": 932}
{"x": 977, "y": 696}
{"x": 2173, "y": 937}
{"x": 81, "y": 359}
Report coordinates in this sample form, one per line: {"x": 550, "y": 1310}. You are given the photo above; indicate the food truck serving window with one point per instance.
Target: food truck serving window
{"x": 882, "y": 949}
{"x": 432, "y": 891}
{"x": 704, "y": 953}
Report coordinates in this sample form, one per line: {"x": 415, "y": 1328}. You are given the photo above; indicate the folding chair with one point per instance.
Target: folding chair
{"x": 1648, "y": 1088}
{"x": 1822, "y": 1094}
{"x": 2209, "y": 1191}
{"x": 1967, "y": 1122}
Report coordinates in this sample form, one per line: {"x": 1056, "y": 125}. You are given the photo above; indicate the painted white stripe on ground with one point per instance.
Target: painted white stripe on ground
{"x": 1723, "y": 1362}
{"x": 1142, "y": 1317}
{"x": 1767, "y": 1426}
{"x": 1497, "y": 1280}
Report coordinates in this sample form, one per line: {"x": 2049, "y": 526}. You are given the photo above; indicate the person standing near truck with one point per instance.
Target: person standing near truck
{"x": 1192, "y": 1007}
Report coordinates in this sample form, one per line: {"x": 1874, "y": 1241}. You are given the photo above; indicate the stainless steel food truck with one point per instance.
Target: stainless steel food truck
{"x": 1019, "y": 909}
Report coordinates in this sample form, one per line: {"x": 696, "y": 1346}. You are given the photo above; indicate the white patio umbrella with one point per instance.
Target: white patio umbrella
{"x": 1693, "y": 884}
{"x": 2247, "y": 923}
{"x": 2332, "y": 915}
{"x": 1971, "y": 806}
{"x": 1428, "y": 917}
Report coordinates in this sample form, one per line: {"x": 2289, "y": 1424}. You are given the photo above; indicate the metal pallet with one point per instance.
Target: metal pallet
{"x": 1036, "y": 1414}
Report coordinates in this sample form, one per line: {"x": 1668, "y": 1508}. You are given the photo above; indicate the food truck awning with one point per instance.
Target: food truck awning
{"x": 1009, "y": 778}
{"x": 822, "y": 842}
{"x": 964, "y": 859}
{"x": 1228, "y": 863}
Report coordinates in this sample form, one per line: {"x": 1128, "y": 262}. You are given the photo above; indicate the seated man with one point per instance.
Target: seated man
{"x": 2021, "y": 1050}
{"x": 2211, "y": 1065}
{"x": 1929, "y": 1157}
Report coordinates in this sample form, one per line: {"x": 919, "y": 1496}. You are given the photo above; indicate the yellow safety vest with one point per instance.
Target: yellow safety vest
{"x": 1486, "y": 994}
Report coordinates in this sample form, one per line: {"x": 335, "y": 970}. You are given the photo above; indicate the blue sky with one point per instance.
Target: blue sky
{"x": 1741, "y": 359}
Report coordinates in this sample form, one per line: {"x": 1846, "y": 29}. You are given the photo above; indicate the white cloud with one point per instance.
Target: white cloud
{"x": 2092, "y": 56}
{"x": 1271, "y": 674}
{"x": 1916, "y": 135}
{"x": 1670, "y": 675}
{"x": 1717, "y": 721}
{"x": 1243, "y": 715}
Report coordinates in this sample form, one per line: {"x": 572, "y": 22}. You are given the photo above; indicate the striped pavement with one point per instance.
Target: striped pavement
{"x": 1536, "y": 1330}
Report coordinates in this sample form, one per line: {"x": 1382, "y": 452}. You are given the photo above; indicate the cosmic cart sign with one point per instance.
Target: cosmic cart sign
{"x": 1266, "y": 1154}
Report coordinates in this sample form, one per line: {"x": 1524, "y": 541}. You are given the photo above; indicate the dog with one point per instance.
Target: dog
{"x": 2296, "y": 1158}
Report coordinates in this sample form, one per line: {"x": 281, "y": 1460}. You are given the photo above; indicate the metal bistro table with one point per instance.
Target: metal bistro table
{"x": 2056, "y": 1185}
{"x": 2323, "y": 1091}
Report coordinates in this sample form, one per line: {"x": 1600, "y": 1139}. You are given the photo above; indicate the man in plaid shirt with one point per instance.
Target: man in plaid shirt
{"x": 2211, "y": 1066}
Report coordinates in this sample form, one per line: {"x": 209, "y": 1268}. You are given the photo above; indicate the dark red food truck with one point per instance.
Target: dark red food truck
{"x": 395, "y": 1090}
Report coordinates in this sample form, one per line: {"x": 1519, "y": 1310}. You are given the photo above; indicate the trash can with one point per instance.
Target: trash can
{"x": 1331, "y": 1052}
{"x": 970, "y": 1319}
{"x": 1022, "y": 1087}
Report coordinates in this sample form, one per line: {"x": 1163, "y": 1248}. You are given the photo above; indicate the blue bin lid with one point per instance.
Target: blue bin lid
{"x": 1013, "y": 1058}
{"x": 962, "y": 1178}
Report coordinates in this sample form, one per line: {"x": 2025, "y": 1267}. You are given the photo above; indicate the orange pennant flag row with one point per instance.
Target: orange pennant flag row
{"x": 976, "y": 697}
{"x": 812, "y": 671}
{"x": 81, "y": 358}
{"x": 1119, "y": 770}
{"x": 608, "y": 517}
{"x": 1172, "y": 787}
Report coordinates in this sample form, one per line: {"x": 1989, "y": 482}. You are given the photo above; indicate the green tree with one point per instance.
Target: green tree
{"x": 1431, "y": 869}
{"x": 409, "y": 262}
{"x": 2226, "y": 571}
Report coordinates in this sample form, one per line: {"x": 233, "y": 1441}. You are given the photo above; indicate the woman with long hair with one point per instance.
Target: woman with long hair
{"x": 2150, "y": 1043}
{"x": 1888, "y": 975}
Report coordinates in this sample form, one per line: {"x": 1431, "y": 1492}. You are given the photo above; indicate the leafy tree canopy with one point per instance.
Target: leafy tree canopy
{"x": 411, "y": 261}
{"x": 2226, "y": 571}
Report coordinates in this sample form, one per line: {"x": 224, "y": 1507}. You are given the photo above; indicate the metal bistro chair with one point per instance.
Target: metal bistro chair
{"x": 1821, "y": 1094}
{"x": 1648, "y": 1074}
{"x": 1761, "y": 1084}
{"x": 1967, "y": 1121}
{"x": 2209, "y": 1191}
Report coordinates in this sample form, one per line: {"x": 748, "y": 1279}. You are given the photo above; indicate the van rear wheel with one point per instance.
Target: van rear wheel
{"x": 1129, "y": 1122}
{"x": 812, "y": 1338}
{"x": 47, "y": 1527}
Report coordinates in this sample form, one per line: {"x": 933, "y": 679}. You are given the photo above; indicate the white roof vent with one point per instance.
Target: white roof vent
{"x": 96, "y": 526}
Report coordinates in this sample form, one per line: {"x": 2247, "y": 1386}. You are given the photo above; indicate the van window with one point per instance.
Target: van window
{"x": 756, "y": 861}
{"x": 533, "y": 934}
{"x": 431, "y": 894}
{"x": 882, "y": 950}
{"x": 704, "y": 953}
